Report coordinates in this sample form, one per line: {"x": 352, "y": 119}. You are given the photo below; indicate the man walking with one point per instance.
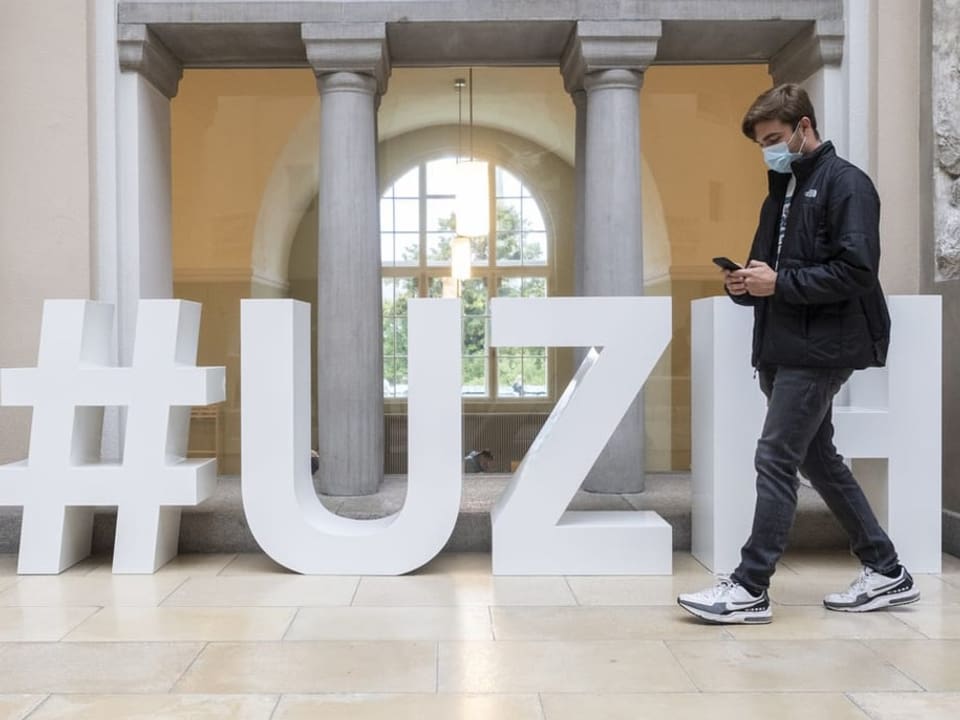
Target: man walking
{"x": 819, "y": 314}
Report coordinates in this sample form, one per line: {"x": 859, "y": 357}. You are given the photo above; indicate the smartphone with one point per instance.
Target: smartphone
{"x": 727, "y": 264}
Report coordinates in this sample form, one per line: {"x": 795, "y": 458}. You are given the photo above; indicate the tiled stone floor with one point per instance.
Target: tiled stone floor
{"x": 234, "y": 636}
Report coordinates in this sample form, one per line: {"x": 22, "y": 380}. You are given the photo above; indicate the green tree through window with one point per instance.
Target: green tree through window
{"x": 417, "y": 229}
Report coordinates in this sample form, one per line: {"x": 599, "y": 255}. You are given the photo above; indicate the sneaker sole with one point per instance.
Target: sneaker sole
{"x": 878, "y": 603}
{"x": 738, "y": 617}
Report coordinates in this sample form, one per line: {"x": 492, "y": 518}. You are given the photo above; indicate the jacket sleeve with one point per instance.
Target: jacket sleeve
{"x": 853, "y": 247}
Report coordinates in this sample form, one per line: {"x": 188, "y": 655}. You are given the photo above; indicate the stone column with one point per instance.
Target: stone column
{"x": 351, "y": 64}
{"x": 607, "y": 60}
{"x": 142, "y": 257}
{"x": 149, "y": 78}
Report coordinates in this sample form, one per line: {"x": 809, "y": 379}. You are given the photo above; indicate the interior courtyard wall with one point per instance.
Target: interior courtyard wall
{"x": 44, "y": 180}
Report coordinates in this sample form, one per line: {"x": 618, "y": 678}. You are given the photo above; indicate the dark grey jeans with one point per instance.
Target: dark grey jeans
{"x": 798, "y": 434}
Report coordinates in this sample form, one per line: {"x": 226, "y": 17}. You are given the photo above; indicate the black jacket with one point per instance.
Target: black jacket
{"x": 828, "y": 309}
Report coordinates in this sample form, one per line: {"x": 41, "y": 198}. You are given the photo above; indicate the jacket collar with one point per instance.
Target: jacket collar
{"x": 802, "y": 168}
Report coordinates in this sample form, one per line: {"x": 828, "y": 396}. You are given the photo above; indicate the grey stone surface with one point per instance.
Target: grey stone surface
{"x": 946, "y": 122}
{"x": 349, "y": 303}
{"x": 613, "y": 242}
{"x": 348, "y": 47}
{"x": 807, "y": 52}
{"x": 465, "y": 32}
{"x": 140, "y": 50}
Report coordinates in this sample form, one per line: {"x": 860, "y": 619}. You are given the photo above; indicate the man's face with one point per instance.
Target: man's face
{"x": 771, "y": 132}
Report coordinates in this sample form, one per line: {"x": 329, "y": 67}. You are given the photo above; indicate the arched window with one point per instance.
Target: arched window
{"x": 416, "y": 225}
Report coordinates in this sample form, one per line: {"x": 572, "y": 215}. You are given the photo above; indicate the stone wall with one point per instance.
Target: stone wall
{"x": 946, "y": 119}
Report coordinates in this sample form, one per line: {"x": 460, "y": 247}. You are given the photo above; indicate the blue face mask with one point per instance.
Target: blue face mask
{"x": 779, "y": 158}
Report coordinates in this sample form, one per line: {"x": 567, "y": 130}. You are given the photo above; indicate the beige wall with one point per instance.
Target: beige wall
{"x": 44, "y": 180}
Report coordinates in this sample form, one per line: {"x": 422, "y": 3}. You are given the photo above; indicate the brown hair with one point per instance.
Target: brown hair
{"x": 787, "y": 103}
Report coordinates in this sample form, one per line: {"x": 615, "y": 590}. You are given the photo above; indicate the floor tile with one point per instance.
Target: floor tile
{"x": 522, "y": 667}
{"x": 253, "y": 564}
{"x": 715, "y": 706}
{"x": 598, "y": 623}
{"x": 409, "y": 707}
{"x": 909, "y": 706}
{"x": 623, "y": 591}
{"x": 940, "y": 622}
{"x": 17, "y": 707}
{"x": 933, "y": 664}
{"x": 184, "y": 624}
{"x": 172, "y": 707}
{"x": 462, "y": 590}
{"x": 262, "y": 590}
{"x": 312, "y": 667}
{"x": 40, "y": 624}
{"x": 93, "y": 667}
{"x": 787, "y": 665}
{"x": 395, "y": 623}
{"x": 817, "y": 623}
{"x": 188, "y": 565}
{"x": 102, "y": 590}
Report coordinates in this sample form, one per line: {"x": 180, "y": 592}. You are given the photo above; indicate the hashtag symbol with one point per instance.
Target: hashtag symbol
{"x": 64, "y": 476}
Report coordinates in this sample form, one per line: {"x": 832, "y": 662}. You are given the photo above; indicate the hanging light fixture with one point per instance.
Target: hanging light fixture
{"x": 472, "y": 204}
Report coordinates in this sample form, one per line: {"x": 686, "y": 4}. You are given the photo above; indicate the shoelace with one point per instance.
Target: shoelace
{"x": 724, "y": 584}
{"x": 860, "y": 584}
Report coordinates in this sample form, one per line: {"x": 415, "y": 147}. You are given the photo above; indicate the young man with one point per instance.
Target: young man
{"x": 819, "y": 314}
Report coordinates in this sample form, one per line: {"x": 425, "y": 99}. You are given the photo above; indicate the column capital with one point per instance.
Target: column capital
{"x": 141, "y": 51}
{"x": 605, "y": 45}
{"x": 818, "y": 46}
{"x": 348, "y": 47}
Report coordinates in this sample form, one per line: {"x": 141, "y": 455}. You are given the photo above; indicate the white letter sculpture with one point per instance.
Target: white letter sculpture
{"x": 533, "y": 534}
{"x": 63, "y": 478}
{"x": 285, "y": 515}
{"x": 890, "y": 414}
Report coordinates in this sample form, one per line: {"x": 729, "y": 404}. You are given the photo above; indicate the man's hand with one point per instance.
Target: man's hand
{"x": 759, "y": 279}
{"x": 733, "y": 281}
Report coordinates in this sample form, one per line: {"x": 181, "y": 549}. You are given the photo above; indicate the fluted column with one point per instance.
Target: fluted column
{"x": 607, "y": 60}
{"x": 351, "y": 65}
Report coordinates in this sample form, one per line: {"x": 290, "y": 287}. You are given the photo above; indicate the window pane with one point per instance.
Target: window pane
{"x": 534, "y": 248}
{"x": 386, "y": 248}
{"x": 535, "y": 287}
{"x": 532, "y": 218}
{"x": 535, "y": 376}
{"x": 507, "y": 184}
{"x": 389, "y": 337}
{"x": 440, "y": 176}
{"x": 474, "y": 337}
{"x": 475, "y": 376}
{"x": 508, "y": 248}
{"x": 509, "y": 377}
{"x": 509, "y": 215}
{"x": 474, "y": 295}
{"x": 440, "y": 215}
{"x": 510, "y": 287}
{"x": 388, "y": 296}
{"x": 389, "y": 369}
{"x": 406, "y": 215}
{"x": 401, "y": 381}
{"x": 407, "y": 248}
{"x": 438, "y": 248}
{"x": 401, "y": 337}
{"x": 408, "y": 186}
{"x": 479, "y": 251}
{"x": 406, "y": 288}
{"x": 386, "y": 215}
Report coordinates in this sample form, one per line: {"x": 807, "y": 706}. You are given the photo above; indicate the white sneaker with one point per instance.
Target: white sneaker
{"x": 727, "y": 602}
{"x": 872, "y": 591}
